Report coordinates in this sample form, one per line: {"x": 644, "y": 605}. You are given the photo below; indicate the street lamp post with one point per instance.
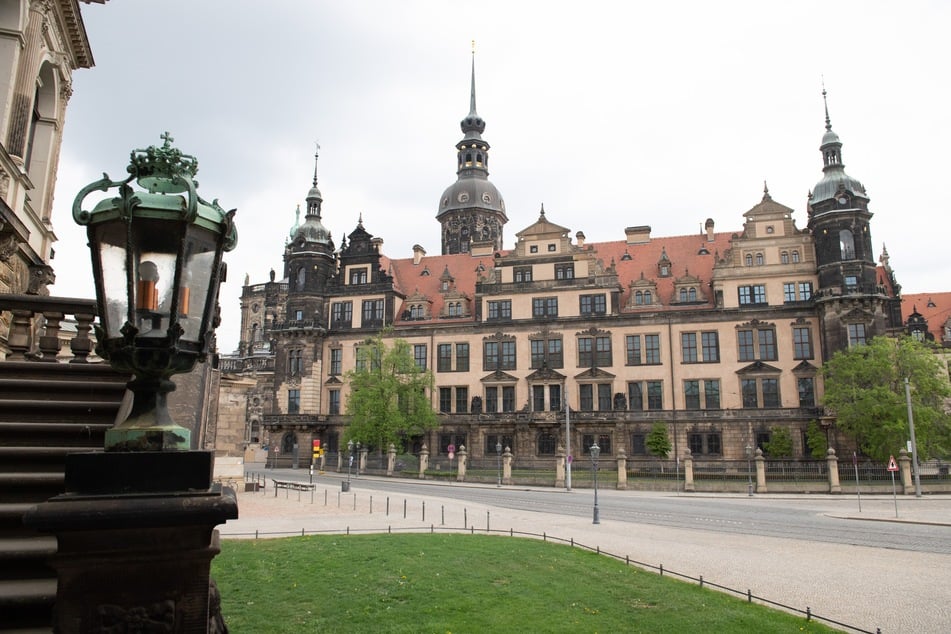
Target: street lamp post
{"x": 595, "y": 452}
{"x": 749, "y": 469}
{"x": 498, "y": 450}
{"x": 350, "y": 461}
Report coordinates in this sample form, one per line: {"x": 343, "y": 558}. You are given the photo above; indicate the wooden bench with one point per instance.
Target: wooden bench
{"x": 291, "y": 485}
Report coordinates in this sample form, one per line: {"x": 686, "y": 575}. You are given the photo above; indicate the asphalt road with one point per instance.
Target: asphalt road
{"x": 824, "y": 519}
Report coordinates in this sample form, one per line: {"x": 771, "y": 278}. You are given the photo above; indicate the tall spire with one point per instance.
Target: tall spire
{"x": 826, "y": 103}
{"x": 314, "y": 198}
{"x": 472, "y": 99}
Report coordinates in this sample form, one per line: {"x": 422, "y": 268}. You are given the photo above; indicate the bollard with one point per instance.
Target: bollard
{"x": 465, "y": 517}
{"x": 404, "y": 508}
{"x": 255, "y": 534}
{"x": 424, "y": 510}
{"x": 325, "y": 497}
{"x": 311, "y": 496}
{"x": 749, "y": 595}
{"x": 662, "y": 570}
{"x": 387, "y": 506}
{"x": 443, "y": 523}
{"x": 486, "y": 521}
{"x": 302, "y": 532}
{"x": 354, "y": 501}
{"x": 808, "y": 613}
{"x": 338, "y": 499}
{"x": 371, "y": 505}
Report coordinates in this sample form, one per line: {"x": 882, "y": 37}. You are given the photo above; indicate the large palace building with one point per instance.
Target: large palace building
{"x": 720, "y": 335}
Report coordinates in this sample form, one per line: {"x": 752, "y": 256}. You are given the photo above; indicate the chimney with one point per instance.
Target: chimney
{"x": 580, "y": 237}
{"x": 708, "y": 225}
{"x": 377, "y": 244}
{"x": 638, "y": 235}
{"x": 418, "y": 254}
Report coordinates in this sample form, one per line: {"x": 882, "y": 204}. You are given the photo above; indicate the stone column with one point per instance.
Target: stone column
{"x": 25, "y": 87}
{"x": 391, "y": 459}
{"x": 423, "y": 461}
{"x": 688, "y": 472}
{"x": 339, "y": 461}
{"x": 560, "y": 466}
{"x": 621, "y": 469}
{"x": 463, "y": 457}
{"x": 904, "y": 468}
{"x": 363, "y": 460}
{"x": 760, "y": 471}
{"x": 507, "y": 466}
{"x": 833, "y": 465}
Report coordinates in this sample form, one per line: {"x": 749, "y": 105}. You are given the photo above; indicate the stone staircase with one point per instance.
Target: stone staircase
{"x": 46, "y": 411}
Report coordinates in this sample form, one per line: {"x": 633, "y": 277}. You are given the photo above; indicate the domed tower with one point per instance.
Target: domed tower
{"x": 471, "y": 210}
{"x": 853, "y": 304}
{"x": 308, "y": 261}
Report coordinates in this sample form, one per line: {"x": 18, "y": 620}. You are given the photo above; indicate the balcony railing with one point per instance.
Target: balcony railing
{"x": 31, "y": 339}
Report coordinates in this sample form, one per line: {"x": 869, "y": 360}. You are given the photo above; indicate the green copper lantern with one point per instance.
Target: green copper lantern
{"x": 157, "y": 263}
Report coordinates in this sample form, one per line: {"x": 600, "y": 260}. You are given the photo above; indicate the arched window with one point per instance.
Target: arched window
{"x": 547, "y": 444}
{"x": 692, "y": 295}
{"x": 846, "y": 245}
{"x": 749, "y": 259}
{"x": 288, "y": 442}
{"x": 638, "y": 298}
{"x": 795, "y": 257}
{"x": 784, "y": 257}
{"x": 759, "y": 259}
{"x": 647, "y": 297}
{"x": 683, "y": 294}
{"x": 301, "y": 278}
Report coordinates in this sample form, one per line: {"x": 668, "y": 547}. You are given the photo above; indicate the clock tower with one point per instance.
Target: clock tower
{"x": 854, "y": 305}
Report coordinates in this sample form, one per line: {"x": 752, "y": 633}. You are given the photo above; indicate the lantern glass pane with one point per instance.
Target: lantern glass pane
{"x": 110, "y": 238}
{"x": 199, "y": 273}
{"x": 153, "y": 275}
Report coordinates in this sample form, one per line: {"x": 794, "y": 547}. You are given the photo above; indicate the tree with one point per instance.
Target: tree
{"x": 657, "y": 441}
{"x": 389, "y": 395}
{"x": 865, "y": 389}
{"x": 780, "y": 443}
{"x": 817, "y": 440}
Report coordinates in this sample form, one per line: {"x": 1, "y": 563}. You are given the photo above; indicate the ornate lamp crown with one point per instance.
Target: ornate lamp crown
{"x": 163, "y": 169}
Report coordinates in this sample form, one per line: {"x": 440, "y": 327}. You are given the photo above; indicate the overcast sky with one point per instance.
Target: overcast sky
{"x": 612, "y": 114}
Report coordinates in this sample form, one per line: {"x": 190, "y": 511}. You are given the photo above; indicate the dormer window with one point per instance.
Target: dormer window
{"x": 664, "y": 270}
{"x": 358, "y": 276}
{"x": 533, "y": 248}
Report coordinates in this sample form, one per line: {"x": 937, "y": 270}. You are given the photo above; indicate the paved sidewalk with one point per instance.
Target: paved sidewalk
{"x": 869, "y": 588}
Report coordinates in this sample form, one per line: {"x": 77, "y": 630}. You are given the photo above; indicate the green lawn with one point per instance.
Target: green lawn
{"x": 457, "y": 583}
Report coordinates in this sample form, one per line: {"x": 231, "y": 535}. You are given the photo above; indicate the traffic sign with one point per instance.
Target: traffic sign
{"x": 892, "y": 465}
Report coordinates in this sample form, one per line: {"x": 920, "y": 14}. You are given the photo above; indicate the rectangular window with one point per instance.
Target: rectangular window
{"x": 538, "y": 353}
{"x": 419, "y": 355}
{"x": 745, "y": 349}
{"x": 632, "y": 345}
{"x": 603, "y": 440}
{"x": 711, "y": 394}
{"x": 444, "y": 357}
{"x": 638, "y": 444}
{"x": 770, "y": 392}
{"x": 692, "y": 394}
{"x": 500, "y": 310}
{"x": 295, "y": 362}
{"x": 491, "y": 400}
{"x": 807, "y": 391}
{"x": 564, "y": 271}
{"x": 754, "y": 294}
{"x": 544, "y": 307}
{"x": 713, "y": 444}
{"x": 358, "y": 276}
{"x": 585, "y": 352}
{"x": 802, "y": 343}
{"x": 688, "y": 346}
{"x": 523, "y": 274}
{"x": 507, "y": 360}
{"x": 652, "y": 349}
{"x": 748, "y": 387}
{"x": 336, "y": 361}
{"x": 462, "y": 400}
{"x": 538, "y": 398}
{"x": 604, "y": 397}
{"x": 635, "y": 397}
{"x": 603, "y": 355}
{"x": 445, "y": 400}
{"x": 789, "y": 292}
{"x": 341, "y": 315}
{"x": 710, "y": 340}
{"x": 856, "y": 335}
{"x": 586, "y": 394}
{"x": 508, "y": 398}
{"x": 490, "y": 355}
{"x": 851, "y": 282}
{"x": 372, "y": 313}
{"x": 462, "y": 357}
{"x": 767, "y": 345}
{"x": 593, "y": 305}
{"x": 554, "y": 398}
{"x": 805, "y": 291}
{"x": 334, "y": 401}
{"x": 695, "y": 443}
{"x": 293, "y": 401}
{"x": 555, "y": 356}
{"x": 655, "y": 395}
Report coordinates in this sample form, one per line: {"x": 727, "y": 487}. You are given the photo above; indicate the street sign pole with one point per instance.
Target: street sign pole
{"x": 892, "y": 468}
{"x": 855, "y": 465}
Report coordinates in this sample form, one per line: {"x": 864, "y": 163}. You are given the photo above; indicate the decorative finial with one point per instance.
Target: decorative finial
{"x": 543, "y": 210}
{"x": 472, "y": 94}
{"x": 316, "y": 156}
{"x": 360, "y": 220}
{"x": 766, "y": 191}
{"x": 826, "y": 103}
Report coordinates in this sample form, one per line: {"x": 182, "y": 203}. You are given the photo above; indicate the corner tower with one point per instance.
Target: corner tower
{"x": 854, "y": 305}
{"x": 471, "y": 210}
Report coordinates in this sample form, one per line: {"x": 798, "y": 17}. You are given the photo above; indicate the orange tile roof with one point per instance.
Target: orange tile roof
{"x": 934, "y": 307}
